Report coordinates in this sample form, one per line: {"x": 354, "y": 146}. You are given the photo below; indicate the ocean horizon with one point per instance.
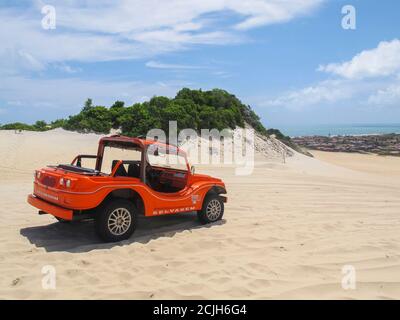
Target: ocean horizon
{"x": 338, "y": 129}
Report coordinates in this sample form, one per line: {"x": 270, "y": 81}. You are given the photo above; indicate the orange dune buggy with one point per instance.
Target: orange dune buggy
{"x": 131, "y": 177}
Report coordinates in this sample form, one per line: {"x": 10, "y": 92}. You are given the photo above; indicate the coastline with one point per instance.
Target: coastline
{"x": 338, "y": 129}
{"x": 385, "y": 144}
{"x": 347, "y": 135}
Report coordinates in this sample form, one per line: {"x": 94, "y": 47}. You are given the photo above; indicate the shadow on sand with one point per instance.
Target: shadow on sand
{"x": 80, "y": 236}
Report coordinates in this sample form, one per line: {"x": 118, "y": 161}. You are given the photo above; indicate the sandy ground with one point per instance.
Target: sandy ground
{"x": 288, "y": 231}
{"x": 370, "y": 163}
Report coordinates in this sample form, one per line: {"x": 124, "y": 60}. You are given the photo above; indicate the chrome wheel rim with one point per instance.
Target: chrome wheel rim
{"x": 119, "y": 221}
{"x": 213, "y": 210}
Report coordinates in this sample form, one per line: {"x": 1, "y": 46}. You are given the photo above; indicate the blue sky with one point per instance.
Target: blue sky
{"x": 290, "y": 60}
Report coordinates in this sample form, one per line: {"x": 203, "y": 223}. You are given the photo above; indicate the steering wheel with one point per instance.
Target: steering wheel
{"x": 151, "y": 172}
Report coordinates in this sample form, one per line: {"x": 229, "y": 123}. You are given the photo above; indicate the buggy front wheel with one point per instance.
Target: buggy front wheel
{"x": 212, "y": 209}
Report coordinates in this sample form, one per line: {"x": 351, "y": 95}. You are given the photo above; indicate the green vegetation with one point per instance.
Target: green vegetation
{"x": 38, "y": 126}
{"x": 194, "y": 109}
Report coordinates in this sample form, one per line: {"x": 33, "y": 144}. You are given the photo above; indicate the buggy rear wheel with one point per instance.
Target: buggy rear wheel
{"x": 116, "y": 221}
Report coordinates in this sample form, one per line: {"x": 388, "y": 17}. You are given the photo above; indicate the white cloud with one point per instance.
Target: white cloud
{"x": 384, "y": 60}
{"x": 15, "y": 60}
{"x": 14, "y": 103}
{"x": 100, "y": 30}
{"x": 222, "y": 74}
{"x": 176, "y": 40}
{"x": 370, "y": 71}
{"x": 328, "y": 91}
{"x": 154, "y": 14}
{"x": 261, "y": 13}
{"x": 67, "y": 68}
{"x": 160, "y": 65}
{"x": 24, "y": 37}
{"x": 389, "y": 96}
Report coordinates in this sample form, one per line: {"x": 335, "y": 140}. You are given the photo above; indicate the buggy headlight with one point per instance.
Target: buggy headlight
{"x": 61, "y": 181}
{"x": 38, "y": 174}
{"x": 68, "y": 183}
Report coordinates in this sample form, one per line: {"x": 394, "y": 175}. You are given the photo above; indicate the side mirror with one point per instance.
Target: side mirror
{"x": 192, "y": 169}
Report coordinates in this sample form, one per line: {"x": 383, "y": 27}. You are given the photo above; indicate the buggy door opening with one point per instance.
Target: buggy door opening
{"x": 120, "y": 159}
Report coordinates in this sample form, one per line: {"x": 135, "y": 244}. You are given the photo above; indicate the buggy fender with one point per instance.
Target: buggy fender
{"x": 218, "y": 189}
{"x": 212, "y": 189}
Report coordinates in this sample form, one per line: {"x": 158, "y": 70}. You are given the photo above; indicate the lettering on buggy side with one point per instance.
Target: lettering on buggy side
{"x": 157, "y": 212}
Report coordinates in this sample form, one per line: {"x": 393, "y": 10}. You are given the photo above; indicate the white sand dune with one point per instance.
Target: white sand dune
{"x": 288, "y": 230}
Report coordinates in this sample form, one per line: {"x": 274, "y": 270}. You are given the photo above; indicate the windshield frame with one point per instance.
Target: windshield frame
{"x": 171, "y": 150}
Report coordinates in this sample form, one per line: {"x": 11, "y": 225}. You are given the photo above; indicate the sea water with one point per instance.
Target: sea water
{"x": 340, "y": 129}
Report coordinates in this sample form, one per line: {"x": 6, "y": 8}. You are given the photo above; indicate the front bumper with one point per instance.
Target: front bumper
{"x": 49, "y": 208}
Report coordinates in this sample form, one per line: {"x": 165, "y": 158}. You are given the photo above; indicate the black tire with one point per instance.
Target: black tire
{"x": 209, "y": 212}
{"x": 116, "y": 220}
{"x": 61, "y": 220}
